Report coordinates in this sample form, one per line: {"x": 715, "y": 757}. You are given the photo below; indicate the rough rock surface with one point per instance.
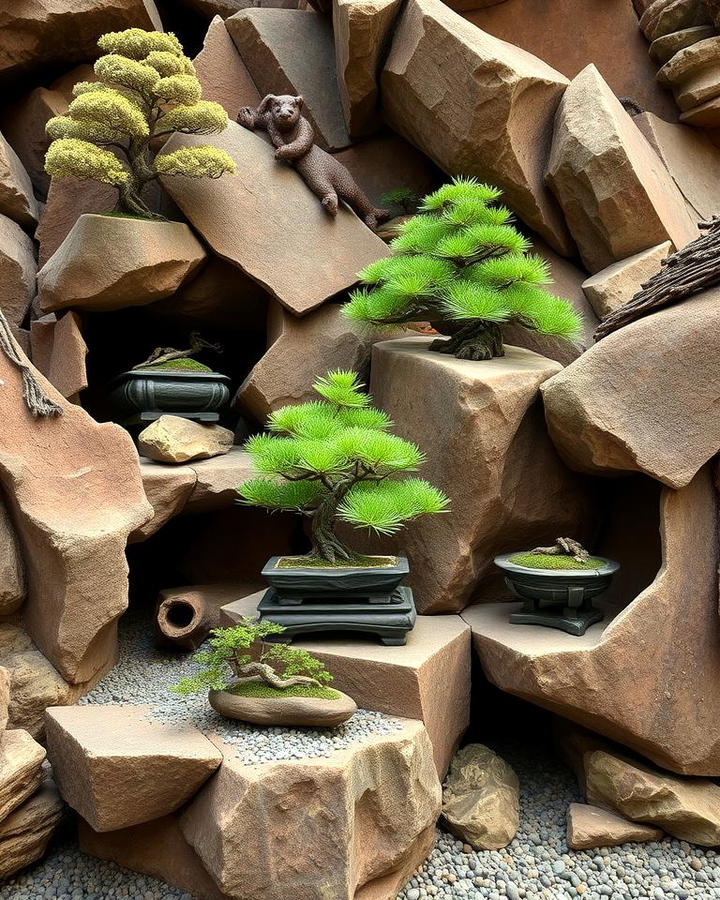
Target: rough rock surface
{"x": 481, "y": 799}
{"x": 75, "y": 492}
{"x": 167, "y": 489}
{"x": 17, "y": 271}
{"x": 117, "y": 768}
{"x": 173, "y": 439}
{"x": 25, "y": 833}
{"x": 687, "y": 808}
{"x": 692, "y": 160}
{"x": 268, "y": 40}
{"x": 223, "y": 75}
{"x": 632, "y": 403}
{"x": 349, "y": 825}
{"x": 495, "y": 125}
{"x": 647, "y": 678}
{"x": 486, "y": 446}
{"x": 58, "y": 350}
{"x": 615, "y": 192}
{"x": 12, "y": 567}
{"x": 693, "y": 73}
{"x": 21, "y": 760}
{"x": 298, "y": 349}
{"x": 666, "y": 16}
{"x": 665, "y": 47}
{"x": 611, "y": 288}
{"x": 4, "y": 697}
{"x": 589, "y": 827}
{"x": 706, "y": 115}
{"x": 361, "y": 31}
{"x": 269, "y": 224}
{"x": 48, "y": 31}
{"x": 17, "y": 200}
{"x": 107, "y": 262}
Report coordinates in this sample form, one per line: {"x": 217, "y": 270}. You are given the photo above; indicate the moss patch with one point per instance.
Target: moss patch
{"x": 357, "y": 562}
{"x": 180, "y": 365}
{"x": 266, "y": 691}
{"x": 540, "y": 561}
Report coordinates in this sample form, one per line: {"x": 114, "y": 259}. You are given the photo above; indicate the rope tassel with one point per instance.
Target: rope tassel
{"x": 36, "y": 399}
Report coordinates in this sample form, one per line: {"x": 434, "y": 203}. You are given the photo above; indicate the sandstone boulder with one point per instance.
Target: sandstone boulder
{"x": 223, "y": 75}
{"x": 487, "y": 448}
{"x": 495, "y": 125}
{"x": 693, "y": 73}
{"x": 268, "y": 40}
{"x": 647, "y": 677}
{"x": 632, "y": 403}
{"x": 117, "y": 767}
{"x": 707, "y": 115}
{"x": 21, "y": 761}
{"x": 58, "y": 351}
{"x": 481, "y": 799}
{"x": 67, "y": 200}
{"x": 12, "y": 567}
{"x": 226, "y": 8}
{"x": 270, "y": 225}
{"x": 173, "y": 439}
{"x": 25, "y": 833}
{"x": 664, "y": 48}
{"x": 611, "y": 288}
{"x": 666, "y": 16}
{"x": 74, "y": 489}
{"x": 692, "y": 160}
{"x": 4, "y": 697}
{"x": 617, "y": 196}
{"x": 17, "y": 200}
{"x": 17, "y": 271}
{"x": 167, "y": 489}
{"x": 687, "y": 808}
{"x": 590, "y": 827}
{"x": 361, "y": 32}
{"x": 360, "y": 820}
{"x": 50, "y": 32}
{"x": 107, "y": 262}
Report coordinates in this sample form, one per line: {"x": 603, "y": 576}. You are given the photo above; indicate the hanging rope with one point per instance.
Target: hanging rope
{"x": 36, "y": 399}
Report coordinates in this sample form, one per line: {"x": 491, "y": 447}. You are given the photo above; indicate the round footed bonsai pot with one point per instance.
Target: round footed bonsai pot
{"x": 557, "y": 598}
{"x": 290, "y": 711}
{"x": 143, "y": 395}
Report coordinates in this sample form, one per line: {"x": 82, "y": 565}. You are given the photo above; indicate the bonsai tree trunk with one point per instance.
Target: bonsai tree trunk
{"x": 130, "y": 200}
{"x": 475, "y": 340}
{"x": 262, "y": 673}
{"x": 326, "y": 544}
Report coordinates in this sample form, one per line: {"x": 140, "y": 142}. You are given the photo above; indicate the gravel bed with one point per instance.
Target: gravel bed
{"x": 144, "y": 675}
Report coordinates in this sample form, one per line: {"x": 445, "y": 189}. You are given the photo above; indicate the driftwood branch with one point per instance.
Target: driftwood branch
{"x": 564, "y": 547}
{"x": 166, "y": 354}
{"x": 257, "y": 673}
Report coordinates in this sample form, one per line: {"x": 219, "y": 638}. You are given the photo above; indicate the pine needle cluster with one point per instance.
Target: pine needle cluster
{"x": 462, "y": 261}
{"x": 146, "y": 90}
{"x": 335, "y": 459}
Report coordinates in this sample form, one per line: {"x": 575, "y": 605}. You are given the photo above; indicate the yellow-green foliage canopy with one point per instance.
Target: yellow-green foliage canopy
{"x": 146, "y": 88}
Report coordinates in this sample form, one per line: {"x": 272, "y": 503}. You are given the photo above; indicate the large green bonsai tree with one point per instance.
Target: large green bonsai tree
{"x": 334, "y": 459}
{"x": 237, "y": 658}
{"x": 147, "y": 90}
{"x": 460, "y": 261}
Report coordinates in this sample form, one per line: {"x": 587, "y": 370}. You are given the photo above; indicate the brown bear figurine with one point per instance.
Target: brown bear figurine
{"x": 294, "y": 141}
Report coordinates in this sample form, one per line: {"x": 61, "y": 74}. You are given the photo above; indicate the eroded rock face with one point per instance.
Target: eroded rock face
{"x": 663, "y": 17}
{"x": 21, "y": 760}
{"x": 481, "y": 799}
{"x": 687, "y": 808}
{"x": 58, "y": 350}
{"x": 75, "y": 492}
{"x": 107, "y": 263}
{"x": 664, "y": 48}
{"x": 613, "y": 287}
{"x": 693, "y": 74}
{"x": 17, "y": 271}
{"x": 12, "y": 567}
{"x": 67, "y": 200}
{"x": 25, "y": 833}
{"x": 172, "y": 439}
{"x": 4, "y": 697}
{"x": 223, "y": 75}
{"x": 98, "y": 751}
{"x": 480, "y": 425}
{"x": 495, "y": 125}
{"x": 589, "y": 827}
{"x": 617, "y": 196}
{"x": 17, "y": 200}
{"x": 361, "y": 820}
{"x": 633, "y": 403}
{"x": 271, "y": 225}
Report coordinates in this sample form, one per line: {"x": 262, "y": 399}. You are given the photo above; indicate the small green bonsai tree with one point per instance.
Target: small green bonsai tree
{"x": 146, "y": 91}
{"x": 462, "y": 262}
{"x": 334, "y": 459}
{"x": 237, "y": 660}
{"x": 400, "y": 201}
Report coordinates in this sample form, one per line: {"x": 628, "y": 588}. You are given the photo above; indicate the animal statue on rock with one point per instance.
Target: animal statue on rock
{"x": 294, "y": 140}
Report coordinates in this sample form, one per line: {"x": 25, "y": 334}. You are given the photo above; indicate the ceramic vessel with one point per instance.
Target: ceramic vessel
{"x": 143, "y": 395}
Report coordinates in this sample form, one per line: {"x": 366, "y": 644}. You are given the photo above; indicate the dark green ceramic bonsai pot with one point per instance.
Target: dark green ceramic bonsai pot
{"x": 143, "y": 395}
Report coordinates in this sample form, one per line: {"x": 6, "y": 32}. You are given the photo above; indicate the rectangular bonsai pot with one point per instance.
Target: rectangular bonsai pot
{"x": 295, "y": 584}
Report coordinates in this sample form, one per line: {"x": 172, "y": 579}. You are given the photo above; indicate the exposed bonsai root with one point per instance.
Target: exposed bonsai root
{"x": 564, "y": 547}
{"x": 261, "y": 673}
{"x": 475, "y": 341}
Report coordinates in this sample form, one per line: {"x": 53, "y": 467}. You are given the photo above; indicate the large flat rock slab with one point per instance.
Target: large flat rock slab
{"x": 645, "y": 398}
{"x": 494, "y": 123}
{"x": 647, "y": 677}
{"x": 266, "y": 221}
{"x": 223, "y": 75}
{"x": 480, "y": 425}
{"x": 118, "y": 768}
{"x": 590, "y": 827}
{"x": 426, "y": 679}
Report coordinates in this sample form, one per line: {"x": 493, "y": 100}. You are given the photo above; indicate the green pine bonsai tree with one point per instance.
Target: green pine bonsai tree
{"x": 147, "y": 90}
{"x": 238, "y": 660}
{"x": 400, "y": 201}
{"x": 460, "y": 261}
{"x": 334, "y": 459}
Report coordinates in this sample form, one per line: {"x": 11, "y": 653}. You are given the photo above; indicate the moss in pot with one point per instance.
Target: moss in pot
{"x": 265, "y": 683}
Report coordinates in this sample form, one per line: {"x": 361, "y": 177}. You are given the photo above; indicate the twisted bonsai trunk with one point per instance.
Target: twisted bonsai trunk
{"x": 261, "y": 673}
{"x": 130, "y": 199}
{"x": 326, "y": 545}
{"x": 475, "y": 340}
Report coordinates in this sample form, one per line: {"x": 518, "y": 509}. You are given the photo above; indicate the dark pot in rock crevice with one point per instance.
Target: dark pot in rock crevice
{"x": 143, "y": 395}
